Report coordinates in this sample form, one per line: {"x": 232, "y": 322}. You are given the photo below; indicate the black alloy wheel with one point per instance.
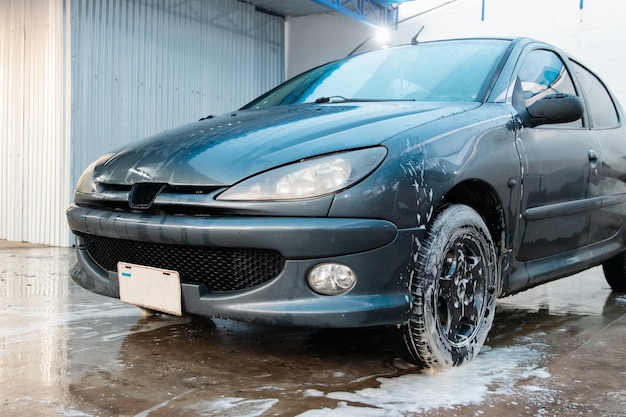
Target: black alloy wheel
{"x": 454, "y": 289}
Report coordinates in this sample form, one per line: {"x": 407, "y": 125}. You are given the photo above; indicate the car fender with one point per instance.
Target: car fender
{"x": 426, "y": 163}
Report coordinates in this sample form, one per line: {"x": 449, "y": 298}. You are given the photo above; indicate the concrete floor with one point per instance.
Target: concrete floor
{"x": 556, "y": 350}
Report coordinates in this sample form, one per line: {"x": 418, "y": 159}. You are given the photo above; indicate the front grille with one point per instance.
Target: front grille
{"x": 220, "y": 269}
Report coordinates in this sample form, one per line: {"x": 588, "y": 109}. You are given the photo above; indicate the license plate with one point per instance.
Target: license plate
{"x": 152, "y": 288}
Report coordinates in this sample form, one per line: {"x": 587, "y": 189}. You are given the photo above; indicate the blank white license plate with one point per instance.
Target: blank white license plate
{"x": 152, "y": 288}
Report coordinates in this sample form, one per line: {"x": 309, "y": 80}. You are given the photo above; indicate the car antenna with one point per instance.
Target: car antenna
{"x": 414, "y": 40}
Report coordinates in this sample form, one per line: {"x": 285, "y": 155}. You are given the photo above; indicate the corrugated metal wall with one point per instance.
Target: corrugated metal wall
{"x": 34, "y": 161}
{"x": 136, "y": 67}
{"x": 140, "y": 66}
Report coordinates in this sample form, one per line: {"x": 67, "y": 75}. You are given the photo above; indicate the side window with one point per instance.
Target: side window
{"x": 600, "y": 105}
{"x": 543, "y": 73}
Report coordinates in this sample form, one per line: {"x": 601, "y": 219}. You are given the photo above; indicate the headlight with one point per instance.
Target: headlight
{"x": 86, "y": 185}
{"x": 309, "y": 178}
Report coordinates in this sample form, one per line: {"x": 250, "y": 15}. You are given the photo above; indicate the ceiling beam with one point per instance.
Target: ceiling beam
{"x": 369, "y": 11}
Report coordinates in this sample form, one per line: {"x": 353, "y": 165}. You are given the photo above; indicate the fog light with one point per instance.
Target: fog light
{"x": 331, "y": 278}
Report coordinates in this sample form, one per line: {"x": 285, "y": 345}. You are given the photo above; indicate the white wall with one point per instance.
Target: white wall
{"x": 593, "y": 35}
{"x": 317, "y": 39}
{"x": 34, "y": 132}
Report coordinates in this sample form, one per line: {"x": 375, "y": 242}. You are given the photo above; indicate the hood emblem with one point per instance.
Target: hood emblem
{"x": 143, "y": 194}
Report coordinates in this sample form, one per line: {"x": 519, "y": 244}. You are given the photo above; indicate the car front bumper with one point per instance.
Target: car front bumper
{"x": 380, "y": 254}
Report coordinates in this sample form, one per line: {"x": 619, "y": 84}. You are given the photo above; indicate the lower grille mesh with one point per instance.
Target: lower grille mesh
{"x": 220, "y": 269}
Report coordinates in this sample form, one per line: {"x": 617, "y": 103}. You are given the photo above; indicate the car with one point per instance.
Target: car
{"x": 408, "y": 187}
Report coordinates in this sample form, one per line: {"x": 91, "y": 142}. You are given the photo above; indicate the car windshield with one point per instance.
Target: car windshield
{"x": 457, "y": 70}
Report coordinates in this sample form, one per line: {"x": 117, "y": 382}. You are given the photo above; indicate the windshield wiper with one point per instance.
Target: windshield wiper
{"x": 342, "y": 99}
{"x": 321, "y": 100}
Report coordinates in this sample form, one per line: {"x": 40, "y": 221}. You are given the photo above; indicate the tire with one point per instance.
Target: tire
{"x": 454, "y": 291}
{"x": 615, "y": 272}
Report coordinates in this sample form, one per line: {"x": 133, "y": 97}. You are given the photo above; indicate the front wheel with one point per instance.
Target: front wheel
{"x": 454, "y": 288}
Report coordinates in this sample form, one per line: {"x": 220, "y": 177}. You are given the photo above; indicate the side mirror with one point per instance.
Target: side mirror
{"x": 555, "y": 108}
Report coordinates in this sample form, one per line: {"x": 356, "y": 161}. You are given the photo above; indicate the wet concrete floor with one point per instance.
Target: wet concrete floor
{"x": 556, "y": 350}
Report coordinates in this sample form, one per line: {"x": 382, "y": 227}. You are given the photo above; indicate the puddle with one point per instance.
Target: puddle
{"x": 239, "y": 407}
{"x": 554, "y": 350}
{"x": 496, "y": 372}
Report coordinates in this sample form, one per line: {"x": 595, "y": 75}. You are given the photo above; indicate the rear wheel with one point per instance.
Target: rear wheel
{"x": 615, "y": 272}
{"x": 454, "y": 291}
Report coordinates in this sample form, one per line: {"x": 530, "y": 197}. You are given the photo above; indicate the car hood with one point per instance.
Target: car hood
{"x": 226, "y": 149}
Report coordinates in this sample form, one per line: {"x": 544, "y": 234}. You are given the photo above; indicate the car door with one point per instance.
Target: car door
{"x": 608, "y": 179}
{"x": 556, "y": 165}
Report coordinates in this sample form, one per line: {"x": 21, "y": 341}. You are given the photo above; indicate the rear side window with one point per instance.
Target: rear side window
{"x": 600, "y": 105}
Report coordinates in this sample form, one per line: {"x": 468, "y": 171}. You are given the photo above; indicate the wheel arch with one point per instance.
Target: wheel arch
{"x": 483, "y": 198}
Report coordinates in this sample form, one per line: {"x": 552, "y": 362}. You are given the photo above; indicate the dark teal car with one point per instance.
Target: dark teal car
{"x": 408, "y": 187}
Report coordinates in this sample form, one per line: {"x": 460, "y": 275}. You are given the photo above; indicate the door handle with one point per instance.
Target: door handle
{"x": 593, "y": 160}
